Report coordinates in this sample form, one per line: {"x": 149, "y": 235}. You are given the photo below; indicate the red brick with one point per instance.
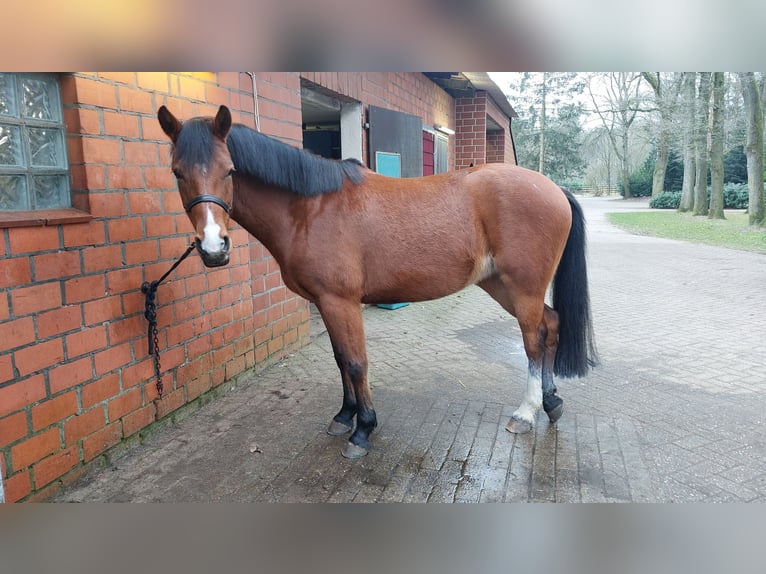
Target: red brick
{"x": 57, "y": 265}
{"x": 124, "y": 404}
{"x": 125, "y": 177}
{"x": 159, "y": 178}
{"x": 121, "y": 330}
{"x": 98, "y": 442}
{"x": 39, "y": 356}
{"x": 108, "y": 204}
{"x": 35, "y": 448}
{"x": 70, "y": 374}
{"x": 86, "y": 341}
{"x": 14, "y": 272}
{"x": 136, "y": 374}
{"x": 82, "y": 425}
{"x": 13, "y": 428}
{"x": 124, "y": 280}
{"x": 101, "y": 258}
{"x": 100, "y": 150}
{"x": 59, "y": 321}
{"x": 35, "y": 298}
{"x": 169, "y": 402}
{"x": 112, "y": 358}
{"x": 140, "y": 252}
{"x": 135, "y": 101}
{"x": 119, "y": 77}
{"x": 160, "y": 225}
{"x": 155, "y": 81}
{"x": 135, "y": 421}
{"x": 83, "y": 234}
{"x": 18, "y": 395}
{"x": 121, "y": 124}
{"x": 126, "y": 229}
{"x": 82, "y": 121}
{"x": 100, "y": 390}
{"x": 197, "y": 387}
{"x": 6, "y": 368}
{"x": 53, "y": 410}
{"x": 5, "y": 312}
{"x": 90, "y": 177}
{"x": 92, "y": 92}
{"x": 141, "y": 153}
{"x": 16, "y": 333}
{"x": 18, "y": 486}
{"x": 85, "y": 288}
{"x": 33, "y": 239}
{"x": 145, "y": 201}
{"x": 51, "y": 468}
{"x": 151, "y": 130}
{"x": 101, "y": 310}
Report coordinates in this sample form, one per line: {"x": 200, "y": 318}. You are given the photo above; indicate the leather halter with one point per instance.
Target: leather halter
{"x": 207, "y": 199}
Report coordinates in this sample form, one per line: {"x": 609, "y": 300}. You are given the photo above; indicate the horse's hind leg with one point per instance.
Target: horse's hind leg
{"x": 552, "y": 403}
{"x": 345, "y": 327}
{"x": 539, "y": 343}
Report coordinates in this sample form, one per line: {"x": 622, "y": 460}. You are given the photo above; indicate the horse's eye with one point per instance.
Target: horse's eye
{"x": 178, "y": 174}
{"x": 231, "y": 172}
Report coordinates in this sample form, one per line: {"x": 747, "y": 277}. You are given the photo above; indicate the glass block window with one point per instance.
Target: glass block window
{"x": 33, "y": 164}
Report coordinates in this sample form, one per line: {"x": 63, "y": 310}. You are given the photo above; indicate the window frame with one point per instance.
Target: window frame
{"x": 35, "y": 215}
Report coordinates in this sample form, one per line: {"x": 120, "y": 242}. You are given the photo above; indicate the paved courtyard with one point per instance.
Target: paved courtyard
{"x": 674, "y": 413}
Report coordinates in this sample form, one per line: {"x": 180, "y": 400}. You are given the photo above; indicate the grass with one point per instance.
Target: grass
{"x": 733, "y": 232}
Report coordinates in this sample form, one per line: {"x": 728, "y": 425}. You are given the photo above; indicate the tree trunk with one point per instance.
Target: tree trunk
{"x": 661, "y": 163}
{"x": 625, "y": 167}
{"x": 541, "y": 157}
{"x": 754, "y": 148}
{"x": 665, "y": 99}
{"x": 687, "y": 189}
{"x": 703, "y": 115}
{"x": 716, "y": 149}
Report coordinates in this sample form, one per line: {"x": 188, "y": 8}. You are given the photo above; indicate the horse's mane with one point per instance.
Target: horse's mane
{"x": 288, "y": 167}
{"x": 268, "y": 159}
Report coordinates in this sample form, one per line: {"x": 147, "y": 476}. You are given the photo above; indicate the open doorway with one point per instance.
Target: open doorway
{"x": 332, "y": 123}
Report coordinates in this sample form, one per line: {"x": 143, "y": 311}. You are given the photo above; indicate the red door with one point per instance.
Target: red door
{"x": 428, "y": 153}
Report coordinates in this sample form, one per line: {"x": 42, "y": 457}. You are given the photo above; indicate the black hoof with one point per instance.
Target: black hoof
{"x": 553, "y": 406}
{"x": 518, "y": 426}
{"x": 354, "y": 451}
{"x": 337, "y": 428}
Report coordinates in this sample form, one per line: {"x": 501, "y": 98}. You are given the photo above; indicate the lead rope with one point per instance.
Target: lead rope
{"x": 150, "y": 290}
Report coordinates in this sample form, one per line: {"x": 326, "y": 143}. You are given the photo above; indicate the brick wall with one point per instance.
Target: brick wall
{"x": 75, "y": 377}
{"x": 474, "y": 144}
{"x": 408, "y": 92}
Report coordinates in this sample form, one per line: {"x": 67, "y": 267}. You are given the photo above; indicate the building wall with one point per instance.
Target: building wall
{"x": 75, "y": 376}
{"x": 408, "y": 92}
{"x": 474, "y": 144}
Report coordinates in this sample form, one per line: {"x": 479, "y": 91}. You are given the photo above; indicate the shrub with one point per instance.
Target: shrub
{"x": 735, "y": 196}
{"x": 666, "y": 200}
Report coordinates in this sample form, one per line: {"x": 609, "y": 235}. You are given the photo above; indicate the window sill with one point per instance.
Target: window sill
{"x": 43, "y": 217}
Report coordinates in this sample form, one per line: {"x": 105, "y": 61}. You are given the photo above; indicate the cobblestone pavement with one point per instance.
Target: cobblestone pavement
{"x": 674, "y": 413}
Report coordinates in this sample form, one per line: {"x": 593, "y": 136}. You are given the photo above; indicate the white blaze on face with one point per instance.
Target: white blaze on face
{"x": 211, "y": 235}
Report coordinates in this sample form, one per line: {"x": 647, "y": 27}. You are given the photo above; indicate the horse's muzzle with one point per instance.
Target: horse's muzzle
{"x": 214, "y": 259}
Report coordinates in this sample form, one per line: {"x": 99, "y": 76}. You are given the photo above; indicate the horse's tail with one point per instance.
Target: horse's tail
{"x": 576, "y": 349}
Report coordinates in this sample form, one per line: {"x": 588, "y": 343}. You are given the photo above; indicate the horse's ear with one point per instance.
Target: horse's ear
{"x": 170, "y": 125}
{"x": 222, "y": 122}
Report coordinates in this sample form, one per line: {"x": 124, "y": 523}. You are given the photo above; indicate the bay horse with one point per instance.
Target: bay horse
{"x": 344, "y": 235}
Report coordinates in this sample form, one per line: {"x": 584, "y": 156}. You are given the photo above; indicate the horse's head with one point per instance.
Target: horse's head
{"x": 203, "y": 168}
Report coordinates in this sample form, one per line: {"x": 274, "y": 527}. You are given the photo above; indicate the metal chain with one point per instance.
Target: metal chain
{"x": 150, "y": 312}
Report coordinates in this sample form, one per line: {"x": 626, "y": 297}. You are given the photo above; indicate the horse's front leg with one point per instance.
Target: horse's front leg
{"x": 343, "y": 319}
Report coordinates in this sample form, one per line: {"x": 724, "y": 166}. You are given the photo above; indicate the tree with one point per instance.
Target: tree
{"x": 751, "y": 91}
{"x": 548, "y": 131}
{"x": 689, "y": 107}
{"x": 716, "y": 149}
{"x": 666, "y": 91}
{"x": 700, "y": 145}
{"x": 617, "y": 109}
